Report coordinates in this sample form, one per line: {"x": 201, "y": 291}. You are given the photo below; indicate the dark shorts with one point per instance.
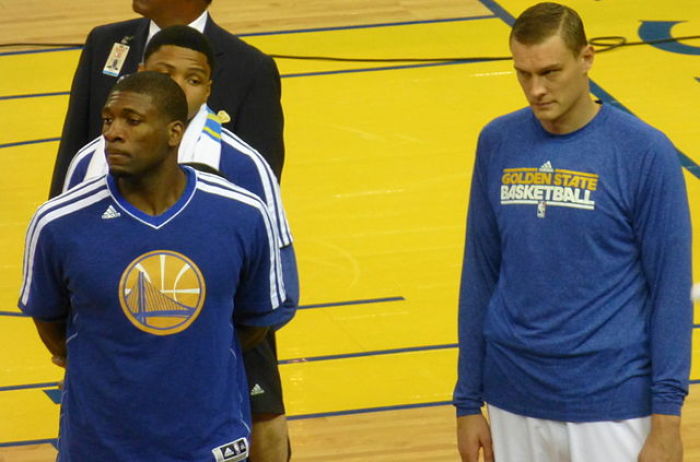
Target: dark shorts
{"x": 263, "y": 374}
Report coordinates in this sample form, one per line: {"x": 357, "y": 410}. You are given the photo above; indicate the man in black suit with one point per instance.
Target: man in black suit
{"x": 246, "y": 85}
{"x": 246, "y": 81}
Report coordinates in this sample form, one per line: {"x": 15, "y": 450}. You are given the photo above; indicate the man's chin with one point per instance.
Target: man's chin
{"x": 117, "y": 172}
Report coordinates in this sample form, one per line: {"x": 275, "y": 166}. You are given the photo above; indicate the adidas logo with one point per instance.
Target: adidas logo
{"x": 546, "y": 167}
{"x": 257, "y": 390}
{"x": 110, "y": 213}
{"x": 235, "y": 451}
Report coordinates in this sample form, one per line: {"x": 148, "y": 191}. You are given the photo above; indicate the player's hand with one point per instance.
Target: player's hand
{"x": 473, "y": 433}
{"x": 664, "y": 441}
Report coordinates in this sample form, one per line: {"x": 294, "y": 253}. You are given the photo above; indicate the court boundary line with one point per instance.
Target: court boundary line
{"x": 34, "y": 95}
{"x": 23, "y": 143}
{"x": 41, "y": 50}
{"x": 367, "y": 410}
{"x": 29, "y": 386}
{"x": 364, "y": 354}
{"x": 10, "y": 444}
{"x": 15, "y": 314}
{"x": 352, "y": 302}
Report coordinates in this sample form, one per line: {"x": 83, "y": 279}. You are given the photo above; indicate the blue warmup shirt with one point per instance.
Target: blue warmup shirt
{"x": 154, "y": 366}
{"x": 206, "y": 142}
{"x": 574, "y": 299}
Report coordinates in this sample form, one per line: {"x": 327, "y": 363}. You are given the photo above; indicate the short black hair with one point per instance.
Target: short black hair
{"x": 184, "y": 37}
{"x": 166, "y": 95}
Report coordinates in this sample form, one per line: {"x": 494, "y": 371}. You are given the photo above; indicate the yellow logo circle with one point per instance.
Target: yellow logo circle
{"x": 162, "y": 292}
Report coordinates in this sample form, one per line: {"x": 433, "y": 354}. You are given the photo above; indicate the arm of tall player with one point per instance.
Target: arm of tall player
{"x": 75, "y": 126}
{"x": 661, "y": 219}
{"x": 480, "y": 269}
{"x": 662, "y": 224}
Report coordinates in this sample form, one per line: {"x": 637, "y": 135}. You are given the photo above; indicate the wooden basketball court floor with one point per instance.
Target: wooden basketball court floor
{"x": 378, "y": 165}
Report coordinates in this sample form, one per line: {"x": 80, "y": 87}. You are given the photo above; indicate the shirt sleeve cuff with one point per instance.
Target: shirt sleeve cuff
{"x": 666, "y": 408}
{"x": 467, "y": 410}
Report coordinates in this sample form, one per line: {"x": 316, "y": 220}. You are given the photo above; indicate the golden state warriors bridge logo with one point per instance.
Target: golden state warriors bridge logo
{"x": 162, "y": 292}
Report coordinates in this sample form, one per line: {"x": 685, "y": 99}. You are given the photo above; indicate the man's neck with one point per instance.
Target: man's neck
{"x": 154, "y": 193}
{"x": 184, "y": 16}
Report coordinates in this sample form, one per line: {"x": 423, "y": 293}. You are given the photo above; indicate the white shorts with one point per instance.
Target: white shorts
{"x": 518, "y": 438}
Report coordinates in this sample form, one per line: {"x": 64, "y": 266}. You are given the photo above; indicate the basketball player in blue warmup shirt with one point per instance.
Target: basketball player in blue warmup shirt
{"x": 574, "y": 316}
{"x": 137, "y": 277}
{"x": 186, "y": 56}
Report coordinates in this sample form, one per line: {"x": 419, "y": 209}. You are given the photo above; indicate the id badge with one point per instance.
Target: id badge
{"x": 116, "y": 59}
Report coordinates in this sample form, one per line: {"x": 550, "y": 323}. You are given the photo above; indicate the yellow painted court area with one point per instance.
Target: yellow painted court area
{"x": 375, "y": 186}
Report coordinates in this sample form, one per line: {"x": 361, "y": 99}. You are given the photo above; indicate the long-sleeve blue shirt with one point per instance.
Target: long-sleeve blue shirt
{"x": 574, "y": 300}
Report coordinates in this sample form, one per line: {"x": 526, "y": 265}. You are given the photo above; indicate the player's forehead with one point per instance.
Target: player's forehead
{"x": 130, "y": 101}
{"x": 180, "y": 58}
{"x": 550, "y": 52}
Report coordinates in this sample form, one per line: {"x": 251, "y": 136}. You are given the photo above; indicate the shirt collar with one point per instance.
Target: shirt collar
{"x": 197, "y": 24}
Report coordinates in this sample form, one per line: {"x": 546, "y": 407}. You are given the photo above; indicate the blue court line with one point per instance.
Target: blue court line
{"x": 29, "y": 386}
{"x": 22, "y": 143}
{"x": 54, "y": 395}
{"x": 13, "y": 313}
{"x": 10, "y": 444}
{"x": 42, "y": 50}
{"x": 499, "y": 11}
{"x": 596, "y": 89}
{"x": 368, "y": 410}
{"x": 385, "y": 68}
{"x": 368, "y": 353}
{"x": 369, "y": 26}
{"x": 352, "y": 302}
{"x": 35, "y": 95}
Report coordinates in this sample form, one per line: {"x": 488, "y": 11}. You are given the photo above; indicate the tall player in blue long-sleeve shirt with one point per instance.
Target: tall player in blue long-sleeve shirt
{"x": 574, "y": 315}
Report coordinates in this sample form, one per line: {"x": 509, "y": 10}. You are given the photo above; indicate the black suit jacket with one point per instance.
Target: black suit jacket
{"x": 246, "y": 84}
